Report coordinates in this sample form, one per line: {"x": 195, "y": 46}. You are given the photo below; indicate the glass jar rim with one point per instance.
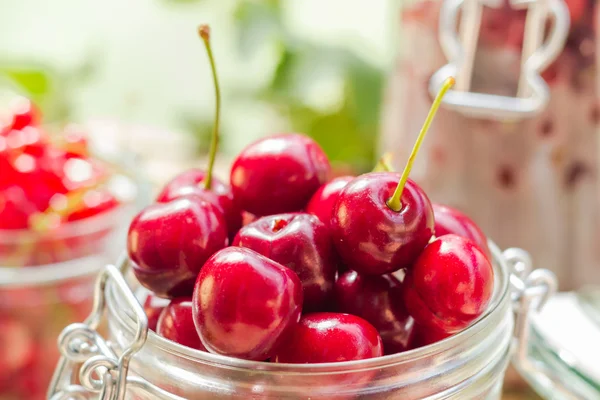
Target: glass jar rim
{"x": 500, "y": 297}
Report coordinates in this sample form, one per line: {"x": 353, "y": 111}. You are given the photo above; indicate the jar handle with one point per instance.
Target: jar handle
{"x": 459, "y": 49}
{"x": 530, "y": 291}
{"x": 87, "y": 355}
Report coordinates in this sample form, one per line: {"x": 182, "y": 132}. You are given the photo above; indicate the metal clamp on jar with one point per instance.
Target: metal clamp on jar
{"x": 139, "y": 364}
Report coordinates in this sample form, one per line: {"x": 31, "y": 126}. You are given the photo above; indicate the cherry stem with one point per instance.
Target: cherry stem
{"x": 384, "y": 163}
{"x": 204, "y": 32}
{"x": 395, "y": 202}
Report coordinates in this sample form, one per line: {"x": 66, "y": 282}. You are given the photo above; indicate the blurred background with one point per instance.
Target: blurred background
{"x": 283, "y": 65}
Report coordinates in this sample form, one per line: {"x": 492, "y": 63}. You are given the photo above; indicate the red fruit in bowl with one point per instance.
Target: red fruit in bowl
{"x": 450, "y": 220}
{"x": 322, "y": 202}
{"x": 278, "y": 174}
{"x": 378, "y": 300}
{"x": 169, "y": 243}
{"x": 177, "y": 324}
{"x": 93, "y": 202}
{"x": 450, "y": 284}
{"x": 370, "y": 237}
{"x": 300, "y": 242}
{"x": 220, "y": 195}
{"x": 330, "y": 337}
{"x": 245, "y": 304}
{"x": 153, "y": 306}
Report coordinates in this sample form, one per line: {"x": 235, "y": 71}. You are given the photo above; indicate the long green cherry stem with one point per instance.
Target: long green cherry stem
{"x": 204, "y": 32}
{"x": 395, "y": 202}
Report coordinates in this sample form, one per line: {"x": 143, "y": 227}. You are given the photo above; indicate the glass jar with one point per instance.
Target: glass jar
{"x": 470, "y": 364}
{"x": 515, "y": 144}
{"x": 46, "y": 281}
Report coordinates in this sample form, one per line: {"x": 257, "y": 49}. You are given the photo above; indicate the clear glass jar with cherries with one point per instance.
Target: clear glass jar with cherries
{"x": 61, "y": 214}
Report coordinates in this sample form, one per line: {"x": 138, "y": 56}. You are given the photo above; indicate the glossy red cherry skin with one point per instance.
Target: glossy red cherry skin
{"x": 169, "y": 243}
{"x": 450, "y": 284}
{"x": 15, "y": 209}
{"x": 177, "y": 324}
{"x": 377, "y": 299}
{"x": 425, "y": 335}
{"x": 450, "y": 220}
{"x": 220, "y": 195}
{"x": 330, "y": 337}
{"x": 278, "y": 174}
{"x": 245, "y": 304}
{"x": 153, "y": 306}
{"x": 300, "y": 242}
{"x": 370, "y": 237}
{"x": 322, "y": 202}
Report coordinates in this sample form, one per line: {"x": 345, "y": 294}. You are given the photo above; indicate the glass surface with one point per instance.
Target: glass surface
{"x": 469, "y": 365}
{"x": 46, "y": 282}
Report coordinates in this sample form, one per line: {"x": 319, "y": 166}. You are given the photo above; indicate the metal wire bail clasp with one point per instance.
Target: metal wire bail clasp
{"x": 102, "y": 373}
{"x": 460, "y": 47}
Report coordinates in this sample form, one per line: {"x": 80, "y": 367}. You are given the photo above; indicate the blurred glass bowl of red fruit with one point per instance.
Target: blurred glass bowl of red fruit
{"x": 61, "y": 211}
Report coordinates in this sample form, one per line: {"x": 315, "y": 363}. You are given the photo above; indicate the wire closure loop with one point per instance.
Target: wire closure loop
{"x": 460, "y": 47}
{"x": 101, "y": 372}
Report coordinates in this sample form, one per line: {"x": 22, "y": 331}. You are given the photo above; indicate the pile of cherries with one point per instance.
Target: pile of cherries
{"x": 46, "y": 182}
{"x": 322, "y": 270}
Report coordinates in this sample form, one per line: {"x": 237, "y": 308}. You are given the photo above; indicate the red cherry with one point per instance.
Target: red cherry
{"x": 450, "y": 284}
{"x": 24, "y": 113}
{"x": 382, "y": 220}
{"x": 245, "y": 304}
{"x": 450, "y": 220}
{"x": 278, "y": 174}
{"x": 15, "y": 209}
{"x": 153, "y": 306}
{"x": 330, "y": 337}
{"x": 300, "y": 242}
{"x": 372, "y": 238}
{"x": 220, "y": 195}
{"x": 177, "y": 324}
{"x": 322, "y": 202}
{"x": 94, "y": 202}
{"x": 425, "y": 335}
{"x": 169, "y": 243}
{"x": 377, "y": 299}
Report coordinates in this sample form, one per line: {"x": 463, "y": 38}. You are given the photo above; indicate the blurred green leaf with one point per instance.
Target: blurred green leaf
{"x": 34, "y": 81}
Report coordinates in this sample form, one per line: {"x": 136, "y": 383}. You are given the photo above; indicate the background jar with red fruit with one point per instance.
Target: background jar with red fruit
{"x": 529, "y": 179}
{"x": 62, "y": 212}
{"x": 470, "y": 364}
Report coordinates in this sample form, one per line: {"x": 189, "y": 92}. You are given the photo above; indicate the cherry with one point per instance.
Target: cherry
{"x": 381, "y": 220}
{"x": 177, "y": 324}
{"x": 278, "y": 174}
{"x": 169, "y": 243}
{"x": 377, "y": 299}
{"x": 370, "y": 237}
{"x": 15, "y": 209}
{"x": 153, "y": 306}
{"x": 450, "y": 220}
{"x": 93, "y": 202}
{"x": 300, "y": 242}
{"x": 425, "y": 335}
{"x": 24, "y": 113}
{"x": 322, "y": 202}
{"x": 330, "y": 337}
{"x": 220, "y": 195}
{"x": 245, "y": 304}
{"x": 450, "y": 284}
{"x": 203, "y": 183}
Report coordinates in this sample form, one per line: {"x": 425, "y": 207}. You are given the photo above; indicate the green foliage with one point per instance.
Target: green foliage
{"x": 347, "y": 132}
